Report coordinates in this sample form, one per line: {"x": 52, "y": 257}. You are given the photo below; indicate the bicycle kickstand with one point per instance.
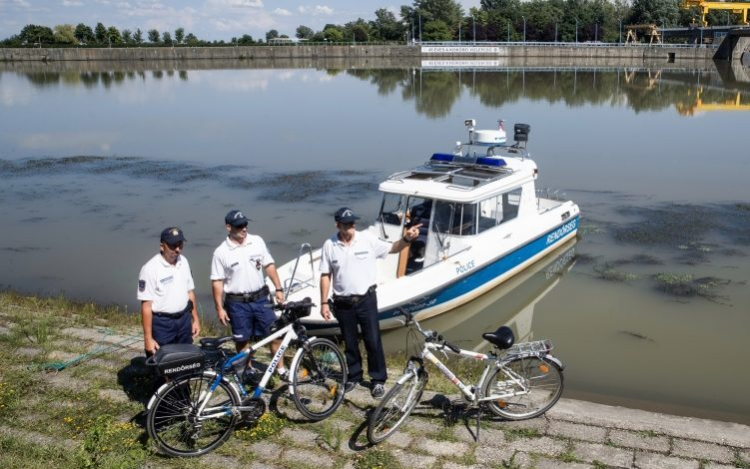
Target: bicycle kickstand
{"x": 479, "y": 417}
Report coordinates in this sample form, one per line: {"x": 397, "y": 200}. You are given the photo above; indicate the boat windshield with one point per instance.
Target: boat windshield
{"x": 392, "y": 209}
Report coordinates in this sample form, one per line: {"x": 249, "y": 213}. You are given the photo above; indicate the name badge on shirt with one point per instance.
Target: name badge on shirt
{"x": 361, "y": 254}
{"x": 258, "y": 264}
{"x": 234, "y": 265}
{"x": 166, "y": 280}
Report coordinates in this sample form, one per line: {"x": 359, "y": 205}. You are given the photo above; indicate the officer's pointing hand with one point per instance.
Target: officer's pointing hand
{"x": 413, "y": 232}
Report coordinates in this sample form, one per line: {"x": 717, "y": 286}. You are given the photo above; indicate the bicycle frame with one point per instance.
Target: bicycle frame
{"x": 472, "y": 395}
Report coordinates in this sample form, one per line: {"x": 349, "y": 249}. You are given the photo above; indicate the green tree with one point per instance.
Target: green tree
{"x": 386, "y": 27}
{"x": 100, "y": 33}
{"x": 191, "y": 40}
{"x": 153, "y": 36}
{"x": 65, "y": 34}
{"x": 113, "y": 35}
{"x": 166, "y": 38}
{"x": 304, "y": 32}
{"x": 138, "y": 36}
{"x": 34, "y": 34}
{"x": 333, "y": 33}
{"x": 449, "y": 12}
{"x": 179, "y": 35}
{"x": 272, "y": 34}
{"x": 654, "y": 11}
{"x": 84, "y": 33}
{"x": 436, "y": 31}
{"x": 127, "y": 36}
{"x": 246, "y": 40}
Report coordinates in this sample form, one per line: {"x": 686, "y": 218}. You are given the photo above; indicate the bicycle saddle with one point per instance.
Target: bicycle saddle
{"x": 214, "y": 342}
{"x": 502, "y": 338}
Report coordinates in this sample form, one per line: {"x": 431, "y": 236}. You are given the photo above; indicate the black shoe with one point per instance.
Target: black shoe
{"x": 377, "y": 391}
{"x": 350, "y": 385}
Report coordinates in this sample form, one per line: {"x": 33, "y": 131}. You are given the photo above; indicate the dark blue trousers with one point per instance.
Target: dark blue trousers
{"x": 167, "y": 330}
{"x": 363, "y": 314}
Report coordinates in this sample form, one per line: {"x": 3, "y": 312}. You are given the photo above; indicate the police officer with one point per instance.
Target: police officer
{"x": 239, "y": 289}
{"x": 348, "y": 262}
{"x": 165, "y": 289}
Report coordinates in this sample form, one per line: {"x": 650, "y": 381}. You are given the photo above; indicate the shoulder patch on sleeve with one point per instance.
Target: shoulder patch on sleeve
{"x": 141, "y": 285}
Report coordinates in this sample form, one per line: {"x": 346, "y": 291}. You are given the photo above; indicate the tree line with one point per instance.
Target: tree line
{"x": 423, "y": 20}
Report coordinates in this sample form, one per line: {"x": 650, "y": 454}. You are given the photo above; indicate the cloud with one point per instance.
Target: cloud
{"x": 282, "y": 12}
{"x": 72, "y": 3}
{"x": 317, "y": 10}
{"x": 236, "y": 3}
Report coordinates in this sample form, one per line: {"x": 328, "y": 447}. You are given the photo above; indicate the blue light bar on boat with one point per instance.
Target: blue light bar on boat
{"x": 445, "y": 157}
{"x": 487, "y": 161}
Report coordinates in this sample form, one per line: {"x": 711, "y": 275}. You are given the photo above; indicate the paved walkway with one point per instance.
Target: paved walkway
{"x": 573, "y": 434}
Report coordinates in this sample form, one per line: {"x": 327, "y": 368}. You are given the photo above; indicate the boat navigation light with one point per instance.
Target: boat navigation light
{"x": 470, "y": 122}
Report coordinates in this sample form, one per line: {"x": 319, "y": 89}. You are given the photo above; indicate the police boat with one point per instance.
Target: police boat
{"x": 482, "y": 222}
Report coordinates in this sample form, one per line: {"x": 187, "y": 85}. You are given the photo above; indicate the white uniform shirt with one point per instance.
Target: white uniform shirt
{"x": 166, "y": 285}
{"x": 240, "y": 266}
{"x": 353, "y": 268}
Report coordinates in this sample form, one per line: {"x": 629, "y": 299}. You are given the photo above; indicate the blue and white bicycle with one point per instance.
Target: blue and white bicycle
{"x": 197, "y": 410}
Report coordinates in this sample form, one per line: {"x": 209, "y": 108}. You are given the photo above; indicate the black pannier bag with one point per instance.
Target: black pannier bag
{"x": 177, "y": 359}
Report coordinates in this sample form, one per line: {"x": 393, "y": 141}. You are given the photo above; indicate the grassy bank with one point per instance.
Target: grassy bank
{"x": 73, "y": 387}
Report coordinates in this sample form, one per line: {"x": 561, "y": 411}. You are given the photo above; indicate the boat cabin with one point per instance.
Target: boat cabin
{"x": 455, "y": 197}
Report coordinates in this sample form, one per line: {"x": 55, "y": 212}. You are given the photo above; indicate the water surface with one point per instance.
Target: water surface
{"x": 96, "y": 161}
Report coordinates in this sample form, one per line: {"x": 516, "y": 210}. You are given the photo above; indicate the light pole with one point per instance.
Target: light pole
{"x": 555, "y": 31}
{"x": 619, "y": 41}
{"x": 524, "y": 28}
{"x": 576, "y": 29}
{"x": 474, "y": 25}
{"x": 596, "y": 32}
{"x": 460, "y": 20}
{"x": 663, "y": 33}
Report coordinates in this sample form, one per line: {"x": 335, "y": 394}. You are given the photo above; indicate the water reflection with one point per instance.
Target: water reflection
{"x": 510, "y": 304}
{"x": 435, "y": 91}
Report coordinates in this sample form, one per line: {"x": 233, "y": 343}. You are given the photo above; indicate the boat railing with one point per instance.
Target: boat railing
{"x": 289, "y": 283}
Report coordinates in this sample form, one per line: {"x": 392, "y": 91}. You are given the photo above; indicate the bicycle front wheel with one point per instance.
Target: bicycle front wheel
{"x": 525, "y": 388}
{"x": 318, "y": 377}
{"x": 396, "y": 406}
{"x": 177, "y": 427}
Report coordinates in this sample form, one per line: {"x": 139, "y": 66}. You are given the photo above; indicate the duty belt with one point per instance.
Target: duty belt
{"x": 251, "y": 297}
{"x": 351, "y": 300}
{"x": 177, "y": 315}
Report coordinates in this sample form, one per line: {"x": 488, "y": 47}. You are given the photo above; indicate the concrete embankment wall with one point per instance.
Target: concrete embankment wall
{"x": 515, "y": 54}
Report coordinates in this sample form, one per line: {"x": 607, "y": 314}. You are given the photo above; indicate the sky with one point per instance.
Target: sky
{"x": 207, "y": 19}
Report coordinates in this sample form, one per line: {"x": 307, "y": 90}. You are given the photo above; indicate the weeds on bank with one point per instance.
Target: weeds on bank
{"x": 266, "y": 426}
{"x": 331, "y": 436}
{"x": 517, "y": 433}
{"x": 111, "y": 444}
{"x": 376, "y": 458}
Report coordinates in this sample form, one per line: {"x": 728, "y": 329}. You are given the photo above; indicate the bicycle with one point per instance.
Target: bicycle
{"x": 518, "y": 382}
{"x": 197, "y": 411}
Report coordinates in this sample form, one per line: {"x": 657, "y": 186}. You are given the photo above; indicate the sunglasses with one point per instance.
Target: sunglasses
{"x": 240, "y": 227}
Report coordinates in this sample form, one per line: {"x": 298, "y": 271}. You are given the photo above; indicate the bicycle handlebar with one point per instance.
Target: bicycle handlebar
{"x": 430, "y": 336}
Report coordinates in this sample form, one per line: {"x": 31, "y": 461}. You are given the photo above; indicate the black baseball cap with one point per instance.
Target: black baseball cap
{"x": 172, "y": 235}
{"x": 345, "y": 215}
{"x": 236, "y": 218}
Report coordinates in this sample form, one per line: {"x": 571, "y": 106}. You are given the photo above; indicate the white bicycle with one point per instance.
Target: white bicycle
{"x": 518, "y": 382}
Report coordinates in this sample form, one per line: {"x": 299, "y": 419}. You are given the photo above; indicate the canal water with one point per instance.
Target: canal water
{"x": 648, "y": 309}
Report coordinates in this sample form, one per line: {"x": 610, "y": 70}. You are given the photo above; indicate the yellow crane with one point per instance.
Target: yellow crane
{"x": 705, "y": 7}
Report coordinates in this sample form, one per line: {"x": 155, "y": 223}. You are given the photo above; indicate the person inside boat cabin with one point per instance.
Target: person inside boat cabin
{"x": 239, "y": 289}
{"x": 348, "y": 267}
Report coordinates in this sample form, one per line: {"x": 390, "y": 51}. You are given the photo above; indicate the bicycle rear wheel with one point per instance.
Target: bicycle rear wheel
{"x": 173, "y": 421}
{"x": 396, "y": 406}
{"x": 318, "y": 376}
{"x": 529, "y": 387}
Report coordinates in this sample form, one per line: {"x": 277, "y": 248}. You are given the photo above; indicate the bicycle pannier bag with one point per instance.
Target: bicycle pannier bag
{"x": 176, "y": 359}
